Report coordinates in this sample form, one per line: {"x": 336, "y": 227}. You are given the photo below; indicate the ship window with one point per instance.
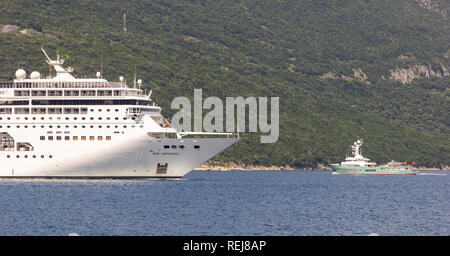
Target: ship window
{"x": 83, "y": 137}
{"x": 58, "y": 137}
{"x": 161, "y": 168}
{"x": 75, "y": 137}
{"x": 42, "y": 137}
{"x": 67, "y": 137}
{"x": 108, "y": 137}
{"x": 166, "y": 146}
{"x": 91, "y": 137}
{"x": 174, "y": 146}
{"x": 181, "y": 146}
{"x": 50, "y": 137}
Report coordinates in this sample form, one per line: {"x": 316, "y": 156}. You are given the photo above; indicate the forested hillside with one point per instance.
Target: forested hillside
{"x": 347, "y": 69}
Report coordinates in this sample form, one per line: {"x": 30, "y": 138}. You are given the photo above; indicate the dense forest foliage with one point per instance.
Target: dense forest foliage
{"x": 330, "y": 62}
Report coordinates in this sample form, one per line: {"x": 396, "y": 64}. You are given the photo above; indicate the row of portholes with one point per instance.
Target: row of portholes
{"x": 26, "y": 156}
{"x": 67, "y": 126}
{"x": 67, "y": 118}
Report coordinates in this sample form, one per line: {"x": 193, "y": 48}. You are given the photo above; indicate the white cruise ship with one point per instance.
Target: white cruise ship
{"x": 66, "y": 127}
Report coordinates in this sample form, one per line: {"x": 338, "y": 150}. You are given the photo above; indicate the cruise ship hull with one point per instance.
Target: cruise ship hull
{"x": 378, "y": 170}
{"x": 143, "y": 157}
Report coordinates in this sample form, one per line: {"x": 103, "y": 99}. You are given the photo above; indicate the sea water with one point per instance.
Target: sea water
{"x": 230, "y": 203}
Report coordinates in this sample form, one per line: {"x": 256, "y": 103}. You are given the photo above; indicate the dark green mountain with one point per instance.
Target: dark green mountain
{"x": 346, "y": 69}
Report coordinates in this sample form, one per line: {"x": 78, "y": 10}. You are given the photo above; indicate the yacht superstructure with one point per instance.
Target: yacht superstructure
{"x": 63, "y": 126}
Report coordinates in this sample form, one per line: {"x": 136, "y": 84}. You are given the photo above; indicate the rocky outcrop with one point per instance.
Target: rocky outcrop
{"x": 13, "y": 29}
{"x": 406, "y": 75}
{"x": 30, "y": 31}
{"x": 191, "y": 39}
{"x": 432, "y": 6}
{"x": 358, "y": 74}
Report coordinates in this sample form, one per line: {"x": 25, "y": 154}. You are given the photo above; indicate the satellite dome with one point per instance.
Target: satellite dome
{"x": 21, "y": 74}
{"x": 35, "y": 75}
{"x": 121, "y": 78}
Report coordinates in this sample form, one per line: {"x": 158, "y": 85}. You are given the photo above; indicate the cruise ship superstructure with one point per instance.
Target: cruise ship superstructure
{"x": 62, "y": 126}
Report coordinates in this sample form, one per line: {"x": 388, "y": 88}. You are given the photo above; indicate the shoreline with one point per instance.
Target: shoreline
{"x": 233, "y": 167}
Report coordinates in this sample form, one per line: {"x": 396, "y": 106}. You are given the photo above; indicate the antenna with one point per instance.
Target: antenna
{"x": 101, "y": 66}
{"x": 124, "y": 22}
{"x": 48, "y": 58}
{"x": 134, "y": 83}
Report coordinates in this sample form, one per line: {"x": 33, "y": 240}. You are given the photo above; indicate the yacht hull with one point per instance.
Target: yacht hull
{"x": 378, "y": 170}
{"x": 140, "y": 158}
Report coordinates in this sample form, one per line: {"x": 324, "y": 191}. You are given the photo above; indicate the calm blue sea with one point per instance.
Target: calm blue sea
{"x": 230, "y": 203}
